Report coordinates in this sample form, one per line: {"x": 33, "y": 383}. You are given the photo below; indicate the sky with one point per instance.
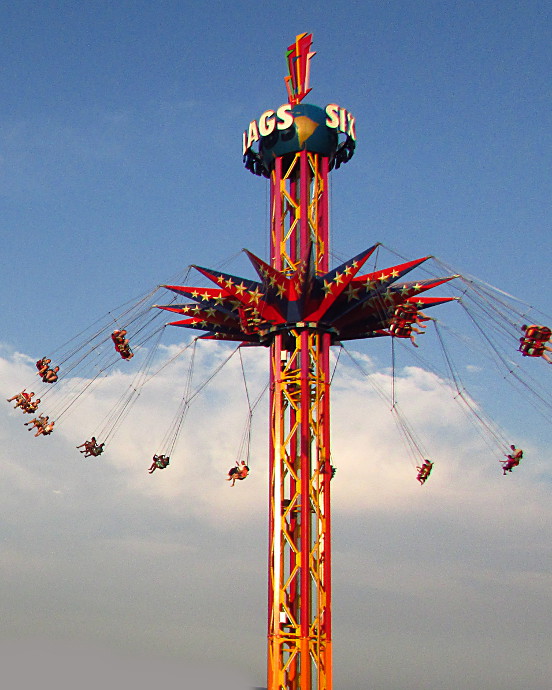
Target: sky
{"x": 120, "y": 165}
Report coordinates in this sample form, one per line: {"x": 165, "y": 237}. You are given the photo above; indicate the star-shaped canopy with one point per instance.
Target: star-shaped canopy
{"x": 341, "y": 302}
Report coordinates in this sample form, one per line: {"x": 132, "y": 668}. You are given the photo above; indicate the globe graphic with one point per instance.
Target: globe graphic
{"x": 308, "y": 132}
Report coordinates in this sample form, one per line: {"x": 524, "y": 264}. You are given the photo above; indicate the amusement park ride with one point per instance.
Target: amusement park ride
{"x": 299, "y": 308}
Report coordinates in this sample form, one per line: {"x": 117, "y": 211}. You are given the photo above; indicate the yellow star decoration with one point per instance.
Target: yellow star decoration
{"x": 417, "y": 287}
{"x": 395, "y": 273}
{"x": 351, "y": 292}
{"x": 383, "y": 278}
{"x": 205, "y": 297}
{"x": 210, "y": 311}
{"x": 281, "y": 290}
{"x": 255, "y": 295}
{"x": 229, "y": 283}
{"x": 240, "y": 289}
{"x": 370, "y": 285}
{"x": 338, "y": 278}
{"x": 195, "y": 294}
{"x": 327, "y": 287}
{"x": 220, "y": 280}
{"x": 218, "y": 299}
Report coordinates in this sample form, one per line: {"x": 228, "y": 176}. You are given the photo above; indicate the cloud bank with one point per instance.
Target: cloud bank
{"x": 171, "y": 567}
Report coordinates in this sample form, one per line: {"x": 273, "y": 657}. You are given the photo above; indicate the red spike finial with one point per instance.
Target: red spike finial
{"x": 298, "y": 58}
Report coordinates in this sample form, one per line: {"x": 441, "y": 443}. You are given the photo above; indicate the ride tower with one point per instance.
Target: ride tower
{"x": 298, "y": 146}
{"x": 298, "y": 309}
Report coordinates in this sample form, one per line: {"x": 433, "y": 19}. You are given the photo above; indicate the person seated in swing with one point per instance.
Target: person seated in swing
{"x": 126, "y": 353}
{"x": 535, "y": 332}
{"x": 87, "y": 445}
{"x": 91, "y": 448}
{"x": 402, "y": 328}
{"x": 41, "y": 424}
{"x": 22, "y": 399}
{"x": 404, "y": 321}
{"x": 50, "y": 375}
{"x": 407, "y": 310}
{"x": 512, "y": 459}
{"x": 159, "y": 463}
{"x": 424, "y": 470}
{"x": 95, "y": 450}
{"x": 533, "y": 342}
{"x": 121, "y": 344}
{"x": 42, "y": 365}
{"x": 119, "y": 339}
{"x": 31, "y": 407}
{"x": 534, "y": 348}
{"x": 37, "y": 422}
{"x": 45, "y": 429}
{"x": 240, "y": 471}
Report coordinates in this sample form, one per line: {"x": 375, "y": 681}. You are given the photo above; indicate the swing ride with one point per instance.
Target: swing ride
{"x": 85, "y": 361}
{"x": 297, "y": 309}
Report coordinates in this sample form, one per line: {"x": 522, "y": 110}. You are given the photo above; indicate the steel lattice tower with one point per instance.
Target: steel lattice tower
{"x": 298, "y": 309}
{"x": 299, "y": 617}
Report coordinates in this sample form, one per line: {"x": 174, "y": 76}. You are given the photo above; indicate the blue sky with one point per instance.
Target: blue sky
{"x": 120, "y": 165}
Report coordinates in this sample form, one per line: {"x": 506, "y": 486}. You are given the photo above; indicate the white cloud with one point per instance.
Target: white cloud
{"x": 375, "y": 469}
{"x": 125, "y": 556}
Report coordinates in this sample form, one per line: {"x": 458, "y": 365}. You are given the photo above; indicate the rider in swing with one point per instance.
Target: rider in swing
{"x": 424, "y": 470}
{"x": 512, "y": 459}
{"x": 240, "y": 471}
{"x": 159, "y": 463}
{"x": 534, "y": 341}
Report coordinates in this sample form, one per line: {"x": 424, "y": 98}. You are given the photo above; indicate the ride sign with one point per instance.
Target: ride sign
{"x": 284, "y": 117}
